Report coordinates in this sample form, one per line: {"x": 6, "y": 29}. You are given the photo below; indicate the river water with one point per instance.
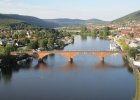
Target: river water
{"x": 85, "y": 79}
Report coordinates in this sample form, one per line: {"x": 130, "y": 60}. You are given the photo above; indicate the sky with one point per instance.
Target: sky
{"x": 76, "y": 9}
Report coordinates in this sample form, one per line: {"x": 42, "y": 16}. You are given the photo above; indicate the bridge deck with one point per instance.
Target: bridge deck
{"x": 78, "y": 52}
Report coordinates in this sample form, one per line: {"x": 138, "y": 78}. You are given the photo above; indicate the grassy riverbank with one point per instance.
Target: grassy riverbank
{"x": 123, "y": 44}
{"x": 137, "y": 75}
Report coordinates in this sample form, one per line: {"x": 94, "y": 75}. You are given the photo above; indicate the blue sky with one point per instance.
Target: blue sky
{"x": 83, "y": 9}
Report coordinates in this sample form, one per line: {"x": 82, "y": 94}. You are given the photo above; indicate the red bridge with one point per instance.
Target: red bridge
{"x": 71, "y": 54}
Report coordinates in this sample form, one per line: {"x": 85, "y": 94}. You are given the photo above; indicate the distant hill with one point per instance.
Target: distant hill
{"x": 66, "y": 22}
{"x": 8, "y": 19}
{"x": 75, "y": 22}
{"x": 130, "y": 17}
{"x": 97, "y": 21}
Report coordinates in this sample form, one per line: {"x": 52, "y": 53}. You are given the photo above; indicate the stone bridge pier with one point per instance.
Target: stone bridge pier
{"x": 102, "y": 59}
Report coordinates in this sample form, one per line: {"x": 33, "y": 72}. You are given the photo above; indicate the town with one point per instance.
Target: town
{"x": 124, "y": 36}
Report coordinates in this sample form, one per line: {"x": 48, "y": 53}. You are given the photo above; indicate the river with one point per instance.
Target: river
{"x": 56, "y": 79}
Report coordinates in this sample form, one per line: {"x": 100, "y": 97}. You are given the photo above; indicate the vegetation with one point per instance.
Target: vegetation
{"x": 7, "y": 20}
{"x": 33, "y": 45}
{"x": 64, "y": 22}
{"x": 131, "y": 17}
{"x": 28, "y": 39}
{"x": 132, "y": 52}
{"x": 123, "y": 44}
{"x": 104, "y": 33}
{"x": 7, "y": 49}
{"x": 43, "y": 43}
{"x": 5, "y": 56}
{"x": 101, "y": 33}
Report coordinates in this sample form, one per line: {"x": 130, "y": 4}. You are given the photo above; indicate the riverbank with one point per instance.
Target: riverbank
{"x": 137, "y": 97}
{"x": 136, "y": 72}
{"x": 67, "y": 40}
{"x": 137, "y": 75}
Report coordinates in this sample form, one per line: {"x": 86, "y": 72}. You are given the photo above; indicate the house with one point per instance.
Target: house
{"x": 114, "y": 47}
{"x": 28, "y": 34}
{"x": 3, "y": 41}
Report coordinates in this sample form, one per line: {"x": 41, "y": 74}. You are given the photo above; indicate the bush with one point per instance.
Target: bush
{"x": 132, "y": 52}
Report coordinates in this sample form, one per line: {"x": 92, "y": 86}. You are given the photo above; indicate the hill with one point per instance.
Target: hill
{"x": 130, "y": 17}
{"x": 8, "y": 19}
{"x": 75, "y": 22}
{"x": 96, "y": 21}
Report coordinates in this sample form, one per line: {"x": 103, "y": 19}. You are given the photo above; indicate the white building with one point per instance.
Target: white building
{"x": 134, "y": 44}
{"x": 114, "y": 46}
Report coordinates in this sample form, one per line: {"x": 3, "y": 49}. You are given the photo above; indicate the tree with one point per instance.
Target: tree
{"x": 9, "y": 48}
{"x": 21, "y": 35}
{"x": 43, "y": 43}
{"x": 51, "y": 42}
{"x": 106, "y": 31}
{"x": 84, "y": 29}
{"x": 124, "y": 45}
{"x": 101, "y": 34}
{"x": 131, "y": 35}
{"x": 94, "y": 33}
{"x": 33, "y": 45}
{"x": 132, "y": 52}
{"x": 1, "y": 50}
{"x": 15, "y": 36}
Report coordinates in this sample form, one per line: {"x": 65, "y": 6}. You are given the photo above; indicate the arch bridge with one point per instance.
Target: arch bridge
{"x": 71, "y": 54}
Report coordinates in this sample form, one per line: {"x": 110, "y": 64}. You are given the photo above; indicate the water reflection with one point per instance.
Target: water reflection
{"x": 0, "y": 75}
{"x": 107, "y": 66}
{"x": 6, "y": 75}
{"x": 70, "y": 66}
{"x": 83, "y": 37}
{"x": 41, "y": 66}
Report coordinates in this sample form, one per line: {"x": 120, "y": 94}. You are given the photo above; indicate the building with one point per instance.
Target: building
{"x": 134, "y": 44}
{"x": 114, "y": 47}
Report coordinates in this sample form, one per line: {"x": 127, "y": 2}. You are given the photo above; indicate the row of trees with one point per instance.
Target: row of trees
{"x": 102, "y": 33}
{"x": 44, "y": 43}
